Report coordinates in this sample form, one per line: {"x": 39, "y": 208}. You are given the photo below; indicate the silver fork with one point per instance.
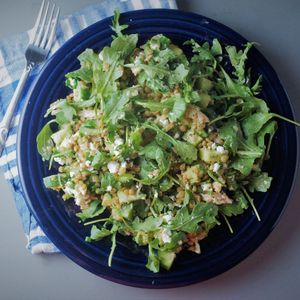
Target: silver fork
{"x": 37, "y": 51}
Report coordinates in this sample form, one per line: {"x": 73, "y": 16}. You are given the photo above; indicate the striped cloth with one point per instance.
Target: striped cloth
{"x": 12, "y": 62}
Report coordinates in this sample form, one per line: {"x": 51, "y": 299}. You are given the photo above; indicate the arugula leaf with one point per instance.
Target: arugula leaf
{"x": 238, "y": 59}
{"x": 89, "y": 62}
{"x": 178, "y": 109}
{"x": 259, "y": 182}
{"x": 156, "y": 105}
{"x": 270, "y": 130}
{"x": 83, "y": 73}
{"x": 89, "y": 128}
{"x": 230, "y": 133}
{"x": 136, "y": 139}
{"x": 94, "y": 209}
{"x": 188, "y": 222}
{"x": 256, "y": 88}
{"x": 236, "y": 88}
{"x": 149, "y": 224}
{"x": 186, "y": 151}
{"x": 176, "y": 237}
{"x": 216, "y": 48}
{"x": 243, "y": 164}
{"x": 153, "y": 261}
{"x": 108, "y": 179}
{"x": 56, "y": 181}
{"x": 99, "y": 159}
{"x": 152, "y": 172}
{"x": 253, "y": 123}
{"x": 127, "y": 211}
{"x": 179, "y": 74}
{"x": 66, "y": 114}
{"x": 239, "y": 205}
{"x": 44, "y": 142}
{"x": 98, "y": 234}
{"x": 113, "y": 247}
{"x": 165, "y": 184}
{"x": 114, "y": 108}
{"x": 116, "y": 27}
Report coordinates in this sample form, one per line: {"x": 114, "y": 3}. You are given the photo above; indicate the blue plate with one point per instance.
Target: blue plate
{"x": 221, "y": 250}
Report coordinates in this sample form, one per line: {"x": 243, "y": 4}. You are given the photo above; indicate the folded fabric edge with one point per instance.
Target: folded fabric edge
{"x": 38, "y": 242}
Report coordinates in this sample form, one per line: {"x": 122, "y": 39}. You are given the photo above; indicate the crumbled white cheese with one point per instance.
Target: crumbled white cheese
{"x": 206, "y": 187}
{"x": 123, "y": 164}
{"x": 113, "y": 167}
{"x": 176, "y": 135}
{"x": 77, "y": 197}
{"x": 220, "y": 149}
{"x": 109, "y": 188}
{"x": 216, "y": 167}
{"x": 69, "y": 190}
{"x": 88, "y": 163}
{"x": 77, "y": 201}
{"x": 118, "y": 142}
{"x": 116, "y": 152}
{"x": 217, "y": 187}
{"x": 72, "y": 173}
{"x": 87, "y": 113}
{"x": 72, "y": 82}
{"x": 166, "y": 235}
{"x": 92, "y": 147}
{"x": 59, "y": 160}
{"x": 153, "y": 174}
{"x": 154, "y": 46}
{"x": 83, "y": 146}
{"x": 163, "y": 121}
{"x": 172, "y": 198}
{"x": 66, "y": 142}
{"x": 82, "y": 190}
{"x": 167, "y": 217}
{"x": 213, "y": 146}
{"x": 101, "y": 55}
{"x": 135, "y": 70}
{"x": 197, "y": 248}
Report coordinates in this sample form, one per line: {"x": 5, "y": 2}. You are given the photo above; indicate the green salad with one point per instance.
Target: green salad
{"x": 157, "y": 145}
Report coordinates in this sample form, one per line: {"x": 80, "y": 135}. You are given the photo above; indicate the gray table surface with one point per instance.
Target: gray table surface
{"x": 271, "y": 272}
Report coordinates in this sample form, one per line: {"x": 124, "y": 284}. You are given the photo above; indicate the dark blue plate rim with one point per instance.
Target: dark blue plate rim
{"x": 161, "y": 13}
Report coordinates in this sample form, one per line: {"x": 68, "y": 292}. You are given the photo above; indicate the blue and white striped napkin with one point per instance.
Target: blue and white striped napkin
{"x": 12, "y": 62}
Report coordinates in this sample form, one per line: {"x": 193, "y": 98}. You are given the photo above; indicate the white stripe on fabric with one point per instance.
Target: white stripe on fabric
{"x": 155, "y": 3}
{"x": 43, "y": 248}
{"x": 81, "y": 21}
{"x": 5, "y": 159}
{"x": 10, "y": 174}
{"x": 30, "y": 33}
{"x": 5, "y": 79}
{"x": 137, "y": 4}
{"x": 172, "y": 4}
{"x": 66, "y": 29}
{"x": 36, "y": 232}
{"x": 16, "y": 120}
{"x": 12, "y": 139}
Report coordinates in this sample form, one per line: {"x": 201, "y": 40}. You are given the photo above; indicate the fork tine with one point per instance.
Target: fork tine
{"x": 42, "y": 25}
{"x": 46, "y": 33}
{"x": 52, "y": 34}
{"x": 37, "y": 22}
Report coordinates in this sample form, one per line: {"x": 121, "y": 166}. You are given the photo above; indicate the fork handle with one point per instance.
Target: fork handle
{"x": 5, "y": 124}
